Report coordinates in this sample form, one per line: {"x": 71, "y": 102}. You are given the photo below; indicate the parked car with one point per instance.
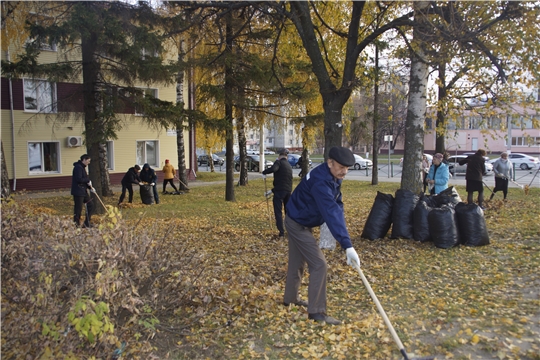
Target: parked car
{"x": 252, "y": 163}
{"x": 269, "y": 152}
{"x": 472, "y": 153}
{"x": 456, "y": 169}
{"x": 203, "y": 160}
{"x": 429, "y": 157}
{"x": 361, "y": 163}
{"x": 523, "y": 161}
{"x": 294, "y": 158}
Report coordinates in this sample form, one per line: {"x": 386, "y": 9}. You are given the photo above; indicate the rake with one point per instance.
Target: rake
{"x": 386, "y": 320}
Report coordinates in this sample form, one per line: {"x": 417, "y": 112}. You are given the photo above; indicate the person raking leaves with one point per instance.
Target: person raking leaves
{"x": 316, "y": 200}
{"x": 80, "y": 183}
{"x": 282, "y": 171}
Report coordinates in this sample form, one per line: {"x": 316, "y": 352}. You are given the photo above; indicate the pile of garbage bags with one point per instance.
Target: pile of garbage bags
{"x": 443, "y": 219}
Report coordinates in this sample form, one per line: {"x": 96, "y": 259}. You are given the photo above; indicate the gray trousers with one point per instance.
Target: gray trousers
{"x": 303, "y": 248}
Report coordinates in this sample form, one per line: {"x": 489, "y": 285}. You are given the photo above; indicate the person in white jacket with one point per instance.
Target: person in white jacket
{"x": 503, "y": 169}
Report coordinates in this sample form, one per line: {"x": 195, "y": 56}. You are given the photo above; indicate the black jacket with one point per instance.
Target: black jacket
{"x": 148, "y": 174}
{"x": 282, "y": 175}
{"x": 79, "y": 180}
{"x": 131, "y": 177}
{"x": 476, "y": 167}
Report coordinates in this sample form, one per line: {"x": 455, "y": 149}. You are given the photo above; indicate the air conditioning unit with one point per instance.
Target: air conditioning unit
{"x": 74, "y": 141}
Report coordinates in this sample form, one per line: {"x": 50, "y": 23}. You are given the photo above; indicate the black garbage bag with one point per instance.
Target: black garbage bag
{"x": 402, "y": 214}
{"x": 443, "y": 227}
{"x": 429, "y": 200}
{"x": 147, "y": 194}
{"x": 420, "y": 221}
{"x": 380, "y": 217}
{"x": 471, "y": 224}
{"x": 447, "y": 196}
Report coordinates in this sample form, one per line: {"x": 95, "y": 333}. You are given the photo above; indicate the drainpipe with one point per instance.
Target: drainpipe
{"x": 12, "y": 115}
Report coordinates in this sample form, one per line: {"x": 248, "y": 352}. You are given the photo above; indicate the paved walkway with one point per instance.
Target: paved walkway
{"x": 522, "y": 177}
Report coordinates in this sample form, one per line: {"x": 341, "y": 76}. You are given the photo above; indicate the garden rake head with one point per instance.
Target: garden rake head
{"x": 387, "y": 321}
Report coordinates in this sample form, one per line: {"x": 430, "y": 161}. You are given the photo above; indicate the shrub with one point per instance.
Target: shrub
{"x": 71, "y": 292}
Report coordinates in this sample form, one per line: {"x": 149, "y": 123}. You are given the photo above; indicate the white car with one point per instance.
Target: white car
{"x": 361, "y": 163}
{"x": 456, "y": 169}
{"x": 523, "y": 161}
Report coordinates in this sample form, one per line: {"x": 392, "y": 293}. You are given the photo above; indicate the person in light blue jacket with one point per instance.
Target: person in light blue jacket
{"x": 438, "y": 175}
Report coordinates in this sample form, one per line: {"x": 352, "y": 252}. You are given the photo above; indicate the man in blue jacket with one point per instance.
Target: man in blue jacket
{"x": 317, "y": 200}
{"x": 80, "y": 183}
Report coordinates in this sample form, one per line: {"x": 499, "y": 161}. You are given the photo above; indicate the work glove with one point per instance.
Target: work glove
{"x": 352, "y": 257}
{"x": 268, "y": 193}
{"x": 90, "y": 183}
{"x": 152, "y": 184}
{"x": 263, "y": 176}
{"x": 93, "y": 190}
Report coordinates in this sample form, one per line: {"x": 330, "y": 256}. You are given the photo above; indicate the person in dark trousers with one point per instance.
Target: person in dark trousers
{"x": 282, "y": 171}
{"x": 148, "y": 175}
{"x": 317, "y": 200}
{"x": 168, "y": 176}
{"x": 131, "y": 177}
{"x": 80, "y": 183}
{"x": 476, "y": 168}
{"x": 503, "y": 169}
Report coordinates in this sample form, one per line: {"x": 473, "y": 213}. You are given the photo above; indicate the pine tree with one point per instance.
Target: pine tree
{"x": 118, "y": 45}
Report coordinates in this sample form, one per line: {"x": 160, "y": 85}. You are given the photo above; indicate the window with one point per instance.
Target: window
{"x": 290, "y": 133}
{"x": 147, "y": 92}
{"x": 147, "y": 153}
{"x": 39, "y": 96}
{"x": 43, "y": 157}
{"x": 43, "y": 45}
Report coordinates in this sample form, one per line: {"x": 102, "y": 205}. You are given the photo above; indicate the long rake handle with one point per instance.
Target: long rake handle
{"x": 382, "y": 313}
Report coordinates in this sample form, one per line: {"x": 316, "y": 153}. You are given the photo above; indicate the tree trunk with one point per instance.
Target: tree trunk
{"x": 180, "y": 144}
{"x": 375, "y": 171}
{"x": 305, "y": 151}
{"x": 6, "y": 190}
{"x": 93, "y": 130}
{"x": 240, "y": 128}
{"x": 441, "y": 111}
{"x": 106, "y": 189}
{"x": 228, "y": 87}
{"x": 414, "y": 125}
{"x": 333, "y": 127}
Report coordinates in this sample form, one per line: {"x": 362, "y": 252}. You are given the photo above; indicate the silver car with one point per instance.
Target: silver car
{"x": 456, "y": 169}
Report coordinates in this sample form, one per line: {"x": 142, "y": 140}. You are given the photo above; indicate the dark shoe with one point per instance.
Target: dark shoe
{"x": 87, "y": 226}
{"x": 320, "y": 317}
{"x": 299, "y": 303}
{"x": 281, "y": 236}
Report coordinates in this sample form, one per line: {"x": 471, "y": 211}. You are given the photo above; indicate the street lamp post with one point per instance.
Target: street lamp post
{"x": 389, "y": 139}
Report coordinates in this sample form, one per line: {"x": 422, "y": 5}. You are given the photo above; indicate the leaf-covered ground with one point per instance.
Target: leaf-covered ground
{"x": 459, "y": 303}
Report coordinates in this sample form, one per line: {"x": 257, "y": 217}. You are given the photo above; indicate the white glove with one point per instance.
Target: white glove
{"x": 90, "y": 183}
{"x": 93, "y": 190}
{"x": 152, "y": 184}
{"x": 352, "y": 257}
{"x": 263, "y": 176}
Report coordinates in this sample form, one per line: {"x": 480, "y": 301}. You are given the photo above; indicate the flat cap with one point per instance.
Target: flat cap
{"x": 342, "y": 155}
{"x": 283, "y": 152}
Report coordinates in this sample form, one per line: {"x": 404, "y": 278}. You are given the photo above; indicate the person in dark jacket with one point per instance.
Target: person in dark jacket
{"x": 476, "y": 168}
{"x": 282, "y": 187}
{"x": 80, "y": 183}
{"x": 148, "y": 175}
{"x": 315, "y": 201}
{"x": 131, "y": 177}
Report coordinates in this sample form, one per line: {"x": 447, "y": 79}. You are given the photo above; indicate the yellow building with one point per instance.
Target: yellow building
{"x": 42, "y": 137}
